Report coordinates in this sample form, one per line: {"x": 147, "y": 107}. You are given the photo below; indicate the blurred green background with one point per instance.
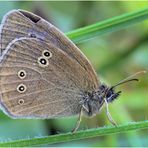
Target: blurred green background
{"x": 105, "y": 53}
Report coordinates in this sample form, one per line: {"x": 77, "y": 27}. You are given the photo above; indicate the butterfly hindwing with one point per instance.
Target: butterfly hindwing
{"x": 32, "y": 89}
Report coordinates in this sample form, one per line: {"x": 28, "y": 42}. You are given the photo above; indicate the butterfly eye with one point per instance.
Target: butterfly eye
{"x": 43, "y": 62}
{"x": 22, "y": 74}
{"x": 47, "y": 54}
{"x": 21, "y": 88}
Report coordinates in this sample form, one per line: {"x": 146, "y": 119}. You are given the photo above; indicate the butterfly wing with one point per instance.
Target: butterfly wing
{"x": 20, "y": 23}
{"x": 49, "y": 90}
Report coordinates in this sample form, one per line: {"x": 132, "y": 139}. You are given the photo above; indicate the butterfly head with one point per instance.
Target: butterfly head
{"x": 107, "y": 93}
{"x": 93, "y": 102}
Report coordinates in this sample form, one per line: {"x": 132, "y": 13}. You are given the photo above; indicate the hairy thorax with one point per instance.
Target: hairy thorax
{"x": 93, "y": 101}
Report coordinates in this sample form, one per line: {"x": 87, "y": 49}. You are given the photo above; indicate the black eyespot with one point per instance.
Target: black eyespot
{"x": 47, "y": 54}
{"x": 21, "y": 88}
{"x": 21, "y": 101}
{"x": 43, "y": 62}
{"x": 21, "y": 74}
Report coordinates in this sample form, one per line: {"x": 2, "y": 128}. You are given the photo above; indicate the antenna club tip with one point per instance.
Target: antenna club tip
{"x": 135, "y": 80}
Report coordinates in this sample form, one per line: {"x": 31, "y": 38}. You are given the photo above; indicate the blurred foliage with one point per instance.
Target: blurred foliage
{"x": 101, "y": 51}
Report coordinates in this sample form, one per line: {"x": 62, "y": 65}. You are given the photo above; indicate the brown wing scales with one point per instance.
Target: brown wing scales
{"x": 51, "y": 91}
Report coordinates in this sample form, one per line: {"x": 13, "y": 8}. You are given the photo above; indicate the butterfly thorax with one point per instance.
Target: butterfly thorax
{"x": 93, "y": 101}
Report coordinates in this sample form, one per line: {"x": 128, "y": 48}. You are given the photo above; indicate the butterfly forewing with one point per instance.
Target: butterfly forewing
{"x": 19, "y": 23}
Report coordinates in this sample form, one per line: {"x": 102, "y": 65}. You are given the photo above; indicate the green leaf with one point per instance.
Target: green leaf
{"x": 78, "y": 135}
{"x": 107, "y": 26}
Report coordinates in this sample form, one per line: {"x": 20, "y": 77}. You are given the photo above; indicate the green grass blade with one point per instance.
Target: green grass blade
{"x": 107, "y": 26}
{"x": 78, "y": 135}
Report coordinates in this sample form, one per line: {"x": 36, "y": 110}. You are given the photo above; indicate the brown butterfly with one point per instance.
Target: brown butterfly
{"x": 44, "y": 75}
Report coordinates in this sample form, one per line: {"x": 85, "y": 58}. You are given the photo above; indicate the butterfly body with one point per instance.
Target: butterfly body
{"x": 93, "y": 102}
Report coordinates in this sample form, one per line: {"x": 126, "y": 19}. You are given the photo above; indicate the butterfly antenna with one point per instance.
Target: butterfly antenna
{"x": 128, "y": 79}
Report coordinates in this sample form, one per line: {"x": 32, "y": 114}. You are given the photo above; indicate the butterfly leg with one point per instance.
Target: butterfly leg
{"x": 109, "y": 115}
{"x": 78, "y": 122}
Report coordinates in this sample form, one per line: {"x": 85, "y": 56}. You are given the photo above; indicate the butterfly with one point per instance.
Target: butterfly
{"x": 43, "y": 74}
